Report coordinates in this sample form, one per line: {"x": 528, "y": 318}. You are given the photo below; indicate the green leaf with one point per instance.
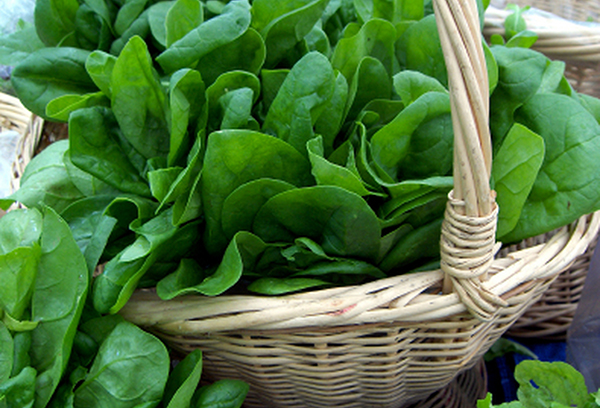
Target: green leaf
{"x": 183, "y": 381}
{"x": 183, "y": 17}
{"x": 46, "y": 181}
{"x": 55, "y": 22}
{"x": 139, "y": 101}
{"x": 126, "y": 350}
{"x": 375, "y": 39}
{"x": 234, "y": 157}
{"x": 127, "y": 14}
{"x": 19, "y": 228}
{"x": 222, "y": 393}
{"x": 241, "y": 206}
{"x": 98, "y": 147}
{"x": 18, "y": 269}
{"x": 16, "y": 46}
{"x": 566, "y": 187}
{"x": 22, "y": 344}
{"x": 280, "y": 286}
{"x": 161, "y": 181}
{"x": 523, "y": 39}
{"x": 140, "y": 27}
{"x": 503, "y": 346}
{"x": 99, "y": 66}
{"x": 240, "y": 254}
{"x": 544, "y": 384}
{"x": 208, "y": 36}
{"x": 59, "y": 295}
{"x": 61, "y": 108}
{"x": 419, "y": 49}
{"x": 514, "y": 170}
{"x": 49, "y": 73}
{"x": 410, "y": 85}
{"x": 157, "y": 15}
{"x": 330, "y": 122}
{"x": 19, "y": 391}
{"x": 338, "y": 220}
{"x": 6, "y": 353}
{"x": 302, "y": 98}
{"x": 371, "y": 82}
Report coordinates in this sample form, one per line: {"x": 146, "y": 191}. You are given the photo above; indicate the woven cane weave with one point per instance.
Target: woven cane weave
{"x": 579, "y": 46}
{"x": 397, "y": 340}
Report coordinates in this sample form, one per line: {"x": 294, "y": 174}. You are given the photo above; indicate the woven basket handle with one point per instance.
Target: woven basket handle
{"x": 468, "y": 242}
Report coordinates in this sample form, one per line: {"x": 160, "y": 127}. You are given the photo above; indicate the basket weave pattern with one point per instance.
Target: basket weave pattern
{"x": 397, "y": 340}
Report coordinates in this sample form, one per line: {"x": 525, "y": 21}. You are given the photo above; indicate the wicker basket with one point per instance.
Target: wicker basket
{"x": 579, "y": 47}
{"x": 394, "y": 341}
{"x": 14, "y": 116}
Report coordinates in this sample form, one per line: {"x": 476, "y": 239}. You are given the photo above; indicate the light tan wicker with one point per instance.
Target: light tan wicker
{"x": 394, "y": 341}
{"x": 14, "y": 116}
{"x": 579, "y": 46}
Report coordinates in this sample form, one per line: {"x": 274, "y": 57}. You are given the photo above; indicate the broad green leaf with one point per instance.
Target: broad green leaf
{"x": 6, "y": 353}
{"x": 288, "y": 23}
{"x": 240, "y": 254}
{"x": 236, "y": 106}
{"x": 514, "y": 23}
{"x": 327, "y": 173}
{"x": 183, "y": 17}
{"x": 188, "y": 206}
{"x": 234, "y": 157}
{"x": 99, "y": 66}
{"x": 245, "y": 53}
{"x": 55, "y": 22}
{"x": 157, "y": 14}
{"x": 302, "y": 98}
{"x": 189, "y": 111}
{"x": 555, "y": 383}
{"x": 222, "y": 393}
{"x": 101, "y": 7}
{"x": 88, "y": 184}
{"x": 419, "y": 49}
{"x": 566, "y": 187}
{"x": 523, "y": 39}
{"x": 514, "y": 170}
{"x": 375, "y": 39}
{"x": 19, "y": 391}
{"x": 280, "y": 286}
{"x": 370, "y": 82}
{"x": 410, "y": 85}
{"x": 127, "y": 14}
{"x": 418, "y": 142}
{"x": 161, "y": 181}
{"x": 98, "y": 147}
{"x": 208, "y": 36}
{"x": 139, "y": 101}
{"x": 59, "y": 294}
{"x": 329, "y": 124}
{"x": 140, "y": 28}
{"x": 19, "y": 228}
{"x": 15, "y": 47}
{"x": 183, "y": 381}
{"x": 49, "y": 73}
{"x": 46, "y": 181}
{"x": 504, "y": 346}
{"x": 181, "y": 184}
{"x": 240, "y": 207}
{"x": 18, "y": 269}
{"x": 226, "y": 83}
{"x": 61, "y": 108}
{"x": 92, "y": 33}
{"x": 338, "y": 220}
{"x": 127, "y": 350}
{"x": 22, "y": 344}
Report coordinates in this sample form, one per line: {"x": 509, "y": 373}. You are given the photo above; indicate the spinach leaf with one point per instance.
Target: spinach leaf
{"x": 91, "y": 31}
{"x": 60, "y": 291}
{"x": 46, "y": 181}
{"x": 60, "y": 108}
{"x": 208, "y": 36}
{"x": 157, "y": 15}
{"x": 515, "y": 168}
{"x": 410, "y": 85}
{"x": 139, "y": 100}
{"x": 16, "y": 46}
{"x": 221, "y": 393}
{"x": 302, "y": 98}
{"x": 49, "y": 73}
{"x": 566, "y": 186}
{"x": 19, "y": 391}
{"x": 18, "y": 270}
{"x": 140, "y": 28}
{"x": 280, "y": 286}
{"x": 19, "y": 228}
{"x": 127, "y": 350}
{"x": 6, "y": 353}
{"x": 182, "y": 17}
{"x": 99, "y": 66}
{"x": 127, "y": 14}
{"x": 234, "y": 157}
{"x": 338, "y": 220}
{"x": 370, "y": 82}
{"x": 55, "y": 22}
{"x": 98, "y": 148}
{"x": 183, "y": 381}
{"x": 330, "y": 122}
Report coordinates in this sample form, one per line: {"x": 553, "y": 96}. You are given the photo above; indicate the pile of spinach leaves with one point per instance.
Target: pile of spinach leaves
{"x": 280, "y": 146}
{"x": 289, "y": 145}
{"x": 57, "y": 351}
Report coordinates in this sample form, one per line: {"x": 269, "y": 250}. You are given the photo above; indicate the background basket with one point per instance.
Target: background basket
{"x": 563, "y": 35}
{"x": 394, "y": 341}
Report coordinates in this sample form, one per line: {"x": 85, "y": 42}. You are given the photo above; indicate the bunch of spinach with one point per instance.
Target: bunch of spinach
{"x": 544, "y": 384}
{"x": 56, "y": 351}
{"x": 281, "y": 146}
